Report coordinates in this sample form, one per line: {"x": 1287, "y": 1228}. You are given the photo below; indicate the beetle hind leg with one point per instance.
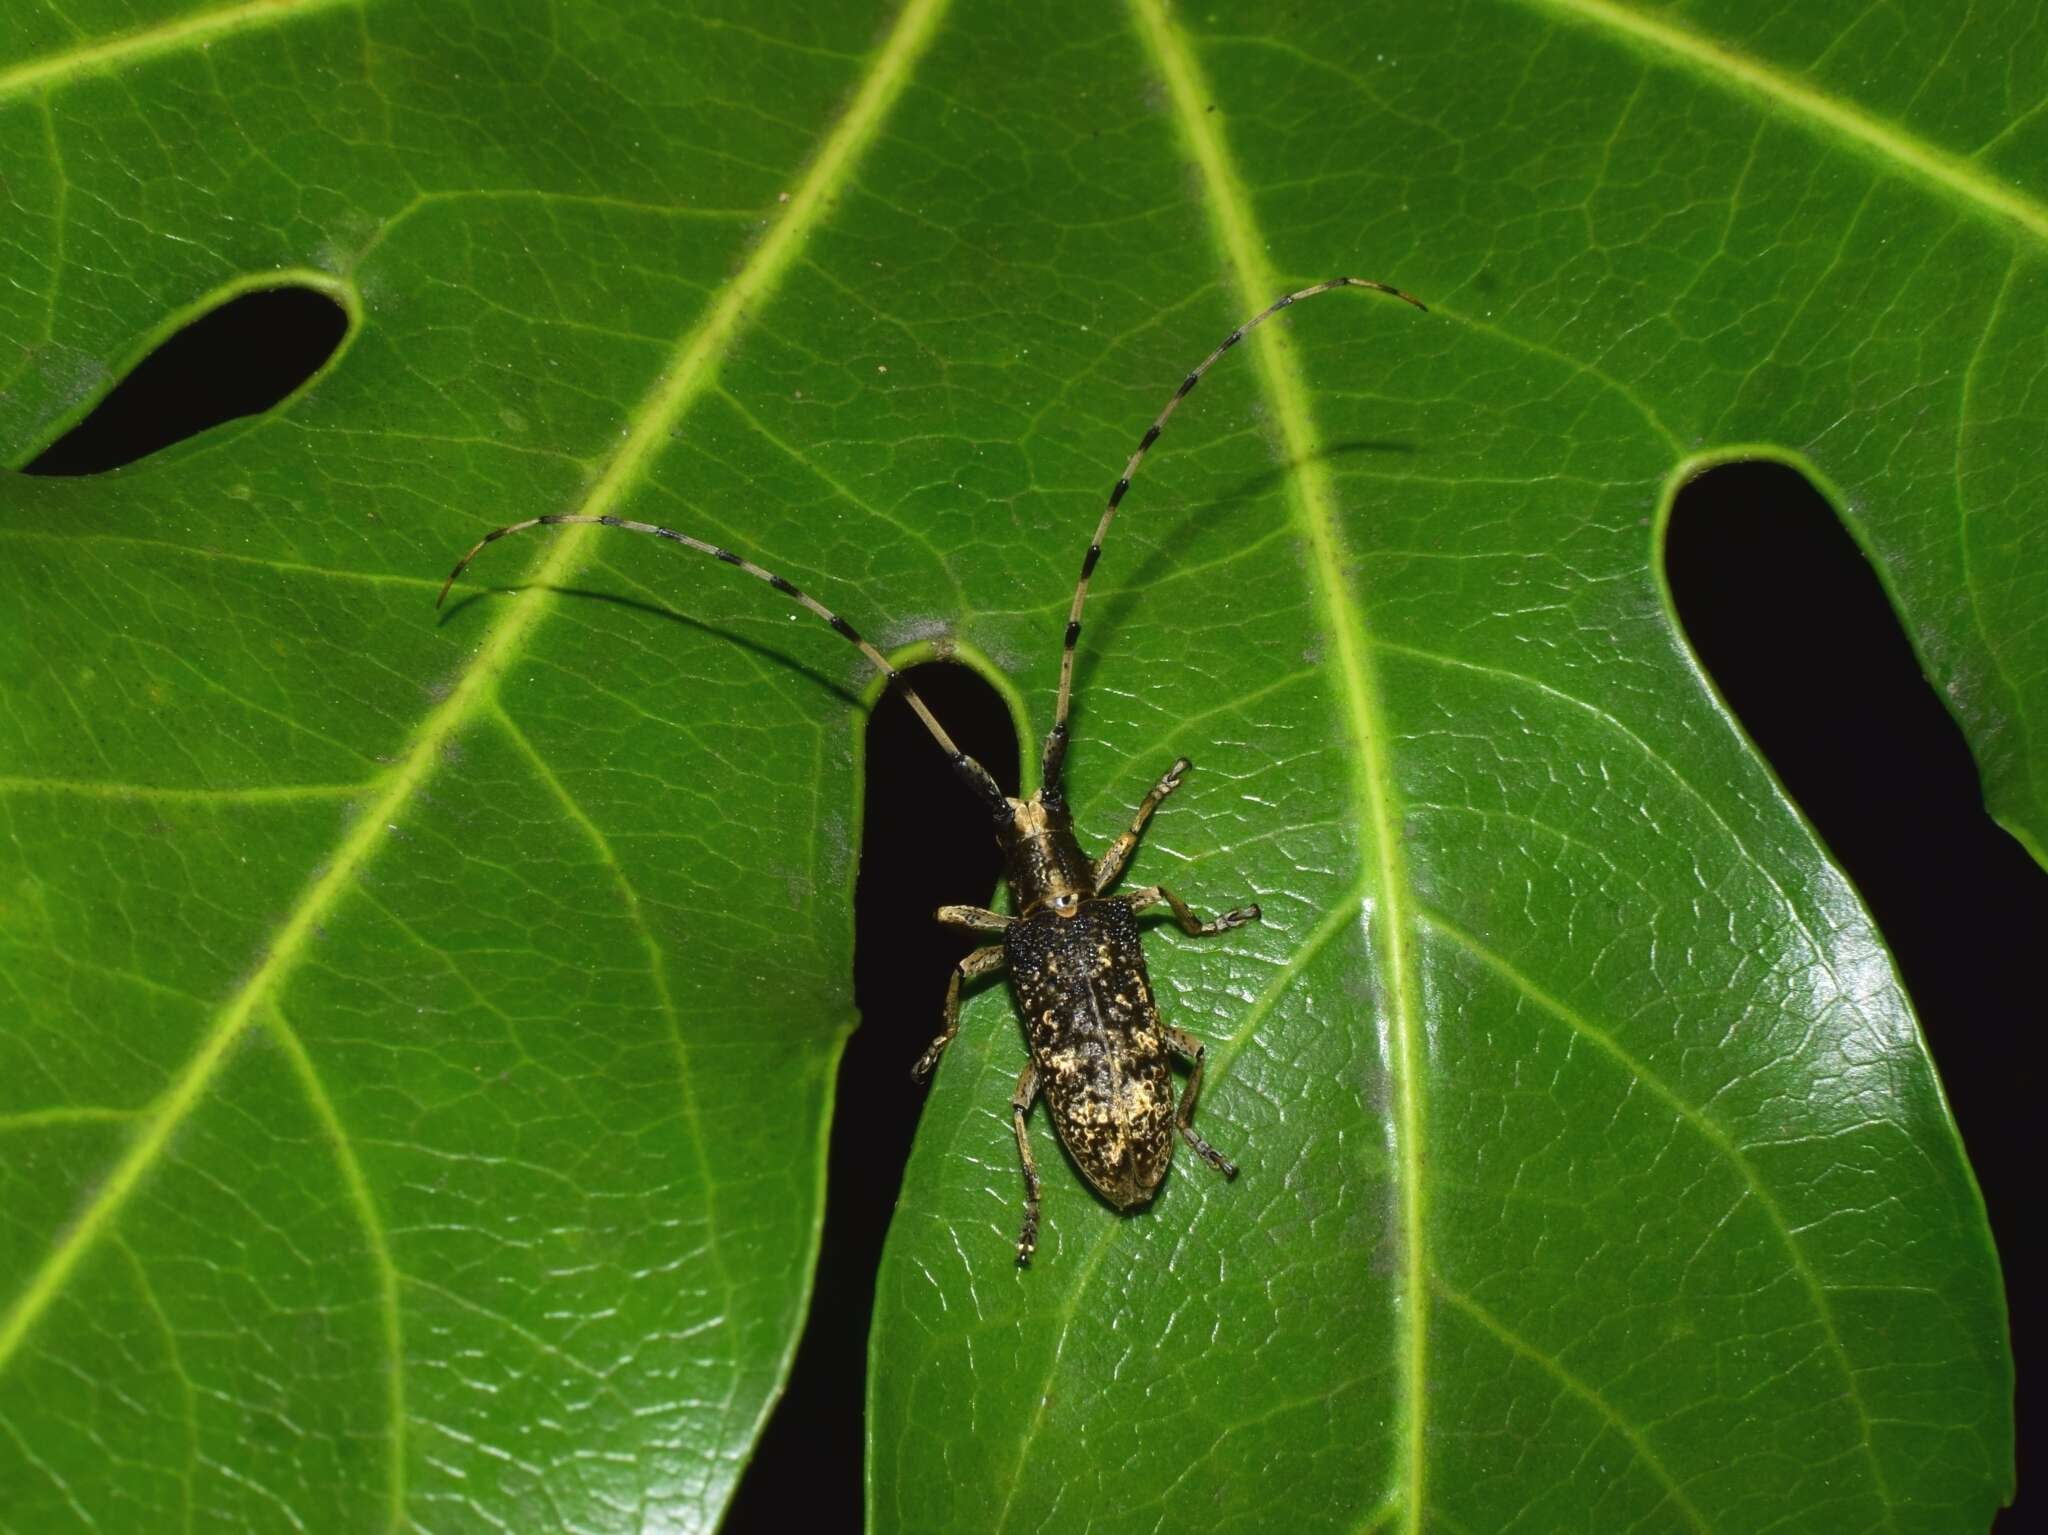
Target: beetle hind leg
{"x": 1020, "y": 1105}
{"x": 1190, "y": 1049}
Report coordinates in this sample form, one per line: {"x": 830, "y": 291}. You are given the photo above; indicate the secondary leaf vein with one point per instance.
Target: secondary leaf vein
{"x": 1897, "y": 150}
{"x": 187, "y": 32}
{"x": 1709, "y": 1131}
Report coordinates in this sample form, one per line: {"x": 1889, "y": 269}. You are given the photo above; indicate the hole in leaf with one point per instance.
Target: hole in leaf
{"x": 237, "y": 360}
{"x": 925, "y": 843}
{"x": 1790, "y": 620}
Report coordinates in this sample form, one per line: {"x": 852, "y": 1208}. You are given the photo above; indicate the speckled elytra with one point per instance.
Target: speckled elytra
{"x": 1100, "y": 1052}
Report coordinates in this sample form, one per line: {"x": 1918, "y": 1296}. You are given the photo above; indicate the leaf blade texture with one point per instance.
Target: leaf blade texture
{"x": 420, "y": 1035}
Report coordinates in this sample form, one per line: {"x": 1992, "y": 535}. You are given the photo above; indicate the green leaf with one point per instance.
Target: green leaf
{"x": 419, "y": 1036}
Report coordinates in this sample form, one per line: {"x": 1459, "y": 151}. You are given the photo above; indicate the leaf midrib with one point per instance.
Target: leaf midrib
{"x": 1314, "y": 507}
{"x": 692, "y": 368}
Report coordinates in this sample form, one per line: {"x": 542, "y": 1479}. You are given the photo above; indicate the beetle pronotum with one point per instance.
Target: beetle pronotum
{"x": 1100, "y": 1052}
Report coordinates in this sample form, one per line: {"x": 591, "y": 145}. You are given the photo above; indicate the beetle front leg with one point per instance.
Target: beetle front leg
{"x": 1190, "y": 1049}
{"x": 975, "y": 919}
{"x": 980, "y": 962}
{"x": 1020, "y": 1105}
{"x": 1190, "y": 924}
{"x": 1110, "y": 867}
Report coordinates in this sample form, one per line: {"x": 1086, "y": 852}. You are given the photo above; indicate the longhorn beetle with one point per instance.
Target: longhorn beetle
{"x": 1099, "y": 1049}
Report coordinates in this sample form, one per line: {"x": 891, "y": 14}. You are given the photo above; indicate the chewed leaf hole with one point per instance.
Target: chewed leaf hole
{"x": 926, "y": 842}
{"x": 237, "y": 360}
{"x": 1790, "y": 620}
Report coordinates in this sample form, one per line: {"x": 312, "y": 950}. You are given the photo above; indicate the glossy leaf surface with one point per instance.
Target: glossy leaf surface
{"x": 419, "y": 1036}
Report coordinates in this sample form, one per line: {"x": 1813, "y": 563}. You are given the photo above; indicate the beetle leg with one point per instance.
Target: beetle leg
{"x": 1020, "y": 1105}
{"x": 1189, "y": 1048}
{"x": 1110, "y": 867}
{"x": 980, "y": 962}
{"x": 1191, "y": 924}
{"x": 976, "y": 919}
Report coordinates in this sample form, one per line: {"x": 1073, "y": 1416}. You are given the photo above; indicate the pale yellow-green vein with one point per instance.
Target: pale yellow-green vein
{"x": 1823, "y": 956}
{"x": 60, "y": 216}
{"x": 193, "y": 30}
{"x": 1951, "y": 176}
{"x": 1509, "y": 1340}
{"x": 188, "y": 1396}
{"x": 1314, "y": 507}
{"x": 1621, "y": 390}
{"x": 1723, "y": 1144}
{"x": 375, "y": 1240}
{"x": 1106, "y": 1234}
{"x": 657, "y": 970}
{"x": 603, "y": 1382}
{"x": 1343, "y": 912}
{"x": 166, "y": 794}
{"x": 59, "y": 1116}
{"x": 694, "y": 366}
{"x": 160, "y": 550}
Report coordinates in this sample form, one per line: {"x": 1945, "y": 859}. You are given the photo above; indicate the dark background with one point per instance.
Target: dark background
{"x": 1782, "y": 609}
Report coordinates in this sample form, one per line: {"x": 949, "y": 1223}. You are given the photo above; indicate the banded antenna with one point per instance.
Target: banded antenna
{"x": 1056, "y": 740}
{"x": 978, "y": 777}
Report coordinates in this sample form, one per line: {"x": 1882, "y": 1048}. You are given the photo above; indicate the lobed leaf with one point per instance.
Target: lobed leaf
{"x": 419, "y": 1036}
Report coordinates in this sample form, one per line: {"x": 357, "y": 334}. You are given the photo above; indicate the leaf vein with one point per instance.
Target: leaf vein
{"x": 374, "y": 1234}
{"x": 1951, "y": 176}
{"x": 187, "y": 32}
{"x": 657, "y": 971}
{"x": 1586, "y": 1393}
{"x": 1715, "y": 1136}
{"x": 1234, "y": 225}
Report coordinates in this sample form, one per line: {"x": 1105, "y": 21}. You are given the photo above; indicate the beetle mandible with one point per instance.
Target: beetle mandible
{"x": 1100, "y": 1052}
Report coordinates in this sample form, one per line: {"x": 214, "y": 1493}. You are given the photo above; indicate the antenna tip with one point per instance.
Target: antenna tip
{"x": 1388, "y": 289}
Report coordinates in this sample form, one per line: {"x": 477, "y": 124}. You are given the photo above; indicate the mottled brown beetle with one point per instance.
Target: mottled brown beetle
{"x": 1100, "y": 1052}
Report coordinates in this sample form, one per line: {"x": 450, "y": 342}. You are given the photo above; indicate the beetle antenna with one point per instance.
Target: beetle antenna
{"x": 1056, "y": 741}
{"x": 977, "y": 776}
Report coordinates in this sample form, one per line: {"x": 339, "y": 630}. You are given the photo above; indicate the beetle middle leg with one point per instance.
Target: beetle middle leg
{"x": 1020, "y": 1105}
{"x": 1190, "y": 924}
{"x": 1190, "y": 1049}
{"x": 1110, "y": 867}
{"x": 980, "y": 962}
